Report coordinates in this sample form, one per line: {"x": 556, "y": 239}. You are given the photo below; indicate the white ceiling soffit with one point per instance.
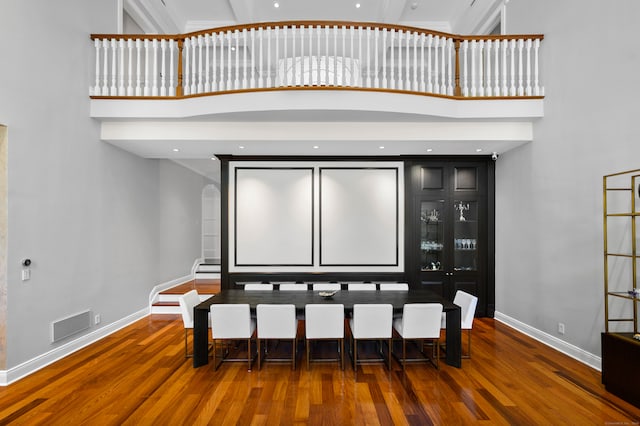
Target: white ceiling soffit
{"x": 181, "y": 16}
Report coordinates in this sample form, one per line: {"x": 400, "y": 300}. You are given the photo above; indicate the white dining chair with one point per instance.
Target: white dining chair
{"x": 325, "y": 322}
{"x": 293, "y": 287}
{"x": 361, "y": 286}
{"x": 187, "y": 302}
{"x": 420, "y": 321}
{"x": 394, "y": 287}
{"x": 326, "y": 286}
{"x": 371, "y": 322}
{"x": 277, "y": 322}
{"x": 258, "y": 287}
{"x": 232, "y": 322}
{"x": 468, "y": 304}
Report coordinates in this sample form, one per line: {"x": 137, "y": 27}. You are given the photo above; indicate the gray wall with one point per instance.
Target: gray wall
{"x": 549, "y": 192}
{"x": 102, "y": 226}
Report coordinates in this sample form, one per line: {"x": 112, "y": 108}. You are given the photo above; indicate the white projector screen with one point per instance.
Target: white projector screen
{"x": 359, "y": 216}
{"x": 273, "y": 216}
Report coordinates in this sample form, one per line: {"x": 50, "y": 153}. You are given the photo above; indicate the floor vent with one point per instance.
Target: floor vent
{"x": 71, "y": 325}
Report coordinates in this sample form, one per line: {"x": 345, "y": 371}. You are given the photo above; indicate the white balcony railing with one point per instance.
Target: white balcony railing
{"x": 330, "y": 55}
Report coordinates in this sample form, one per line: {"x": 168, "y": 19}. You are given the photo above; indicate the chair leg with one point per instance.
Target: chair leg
{"x": 404, "y": 353}
{"x": 308, "y": 353}
{"x": 249, "y": 354}
{"x": 259, "y": 355}
{"x": 186, "y": 354}
{"x": 215, "y": 365}
{"x": 293, "y": 354}
{"x": 437, "y": 343}
{"x": 342, "y": 354}
{"x": 390, "y": 342}
{"x": 355, "y": 354}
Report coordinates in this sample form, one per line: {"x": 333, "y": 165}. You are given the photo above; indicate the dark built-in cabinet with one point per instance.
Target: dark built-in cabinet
{"x": 450, "y": 228}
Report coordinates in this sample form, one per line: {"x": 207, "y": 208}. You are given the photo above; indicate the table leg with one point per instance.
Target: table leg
{"x": 454, "y": 338}
{"x": 200, "y": 337}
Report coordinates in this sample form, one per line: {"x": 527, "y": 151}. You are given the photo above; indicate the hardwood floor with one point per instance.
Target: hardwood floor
{"x": 139, "y": 376}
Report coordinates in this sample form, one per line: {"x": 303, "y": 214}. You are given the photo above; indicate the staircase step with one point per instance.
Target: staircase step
{"x": 208, "y": 268}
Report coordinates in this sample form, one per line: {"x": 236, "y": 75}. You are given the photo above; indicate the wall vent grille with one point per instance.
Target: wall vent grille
{"x": 70, "y": 325}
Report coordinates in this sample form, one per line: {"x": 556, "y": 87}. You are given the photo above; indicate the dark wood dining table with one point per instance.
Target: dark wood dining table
{"x": 348, "y": 298}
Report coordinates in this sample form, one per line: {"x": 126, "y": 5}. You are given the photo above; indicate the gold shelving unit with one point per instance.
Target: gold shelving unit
{"x": 608, "y": 188}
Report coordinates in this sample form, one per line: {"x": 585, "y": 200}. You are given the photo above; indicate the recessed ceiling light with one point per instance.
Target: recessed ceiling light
{"x": 357, "y": 5}
{"x": 429, "y": 149}
{"x": 381, "y": 147}
{"x": 316, "y": 147}
{"x": 176, "y": 150}
{"x": 479, "y": 150}
{"x": 276, "y": 4}
{"x": 241, "y": 147}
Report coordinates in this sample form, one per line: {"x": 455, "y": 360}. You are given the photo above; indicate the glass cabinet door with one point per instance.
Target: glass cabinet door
{"x": 465, "y": 235}
{"x": 431, "y": 235}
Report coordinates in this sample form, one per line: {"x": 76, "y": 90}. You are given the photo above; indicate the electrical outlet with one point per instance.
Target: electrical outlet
{"x": 97, "y": 319}
{"x": 561, "y": 328}
{"x": 26, "y": 274}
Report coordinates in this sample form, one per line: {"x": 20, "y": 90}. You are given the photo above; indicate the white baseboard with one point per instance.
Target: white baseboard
{"x": 29, "y": 367}
{"x": 153, "y": 295}
{"x": 568, "y": 349}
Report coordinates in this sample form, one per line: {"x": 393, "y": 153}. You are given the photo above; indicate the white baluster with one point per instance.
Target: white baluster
{"x": 252, "y": 69}
{"x": 294, "y": 63}
{"x": 520, "y": 89}
{"x": 302, "y": 58}
{"x": 154, "y": 89}
{"x": 450, "y": 62}
{"x": 105, "y": 87}
{"x": 472, "y": 77}
{"x": 310, "y": 79}
{"x": 384, "y": 59}
{"x": 318, "y": 61}
{"x": 489, "y": 91}
{"x": 415, "y": 86}
{"x": 352, "y": 54}
{"x": 376, "y": 53}
{"x": 285, "y": 55}
{"x": 429, "y": 67}
{"x": 261, "y": 37}
{"x": 505, "y": 88}
{"x": 278, "y": 77}
{"x": 214, "y": 62}
{"x": 363, "y": 82}
{"x": 536, "y": 84}
{"x": 236, "y": 81}
{"x": 186, "y": 74}
{"x": 200, "y": 85}
{"x": 407, "y": 67}
{"x": 95, "y": 90}
{"x": 335, "y": 55}
{"x": 527, "y": 89}
{"x": 172, "y": 84}
{"x": 481, "y": 68}
{"x": 464, "y": 83}
{"x": 443, "y": 64}
{"x": 245, "y": 81}
{"x": 496, "y": 83}
{"x": 343, "y": 36}
{"x": 138, "y": 91}
{"x": 512, "y": 88}
{"x": 422, "y": 87}
{"x": 392, "y": 70}
{"x": 368, "y": 34}
{"x": 436, "y": 66}
{"x": 400, "y": 85}
{"x": 163, "y": 67}
{"x": 207, "y": 64}
{"x": 222, "y": 65}
{"x": 230, "y": 41}
{"x": 147, "y": 68}
{"x": 121, "y": 89}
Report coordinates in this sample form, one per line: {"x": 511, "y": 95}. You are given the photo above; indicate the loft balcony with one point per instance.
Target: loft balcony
{"x": 317, "y": 72}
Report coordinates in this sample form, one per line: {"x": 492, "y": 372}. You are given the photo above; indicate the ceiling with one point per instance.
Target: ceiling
{"x": 183, "y": 16}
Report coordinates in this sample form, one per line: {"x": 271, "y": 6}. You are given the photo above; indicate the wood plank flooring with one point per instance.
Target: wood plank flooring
{"x": 139, "y": 376}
